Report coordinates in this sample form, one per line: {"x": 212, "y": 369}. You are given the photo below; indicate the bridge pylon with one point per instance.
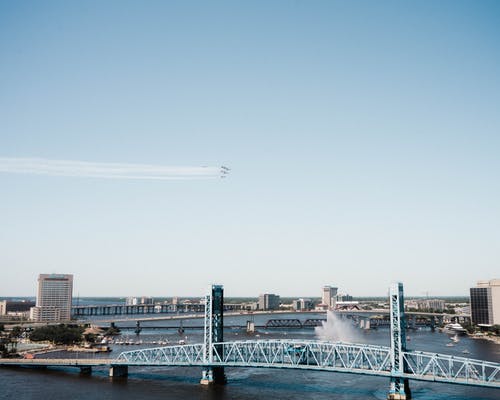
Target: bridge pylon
{"x": 399, "y": 388}
{"x": 213, "y": 333}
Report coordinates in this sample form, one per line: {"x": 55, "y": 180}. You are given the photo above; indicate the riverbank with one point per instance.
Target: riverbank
{"x": 490, "y": 338}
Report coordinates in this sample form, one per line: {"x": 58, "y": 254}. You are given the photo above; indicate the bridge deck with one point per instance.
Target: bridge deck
{"x": 60, "y": 362}
{"x": 299, "y": 354}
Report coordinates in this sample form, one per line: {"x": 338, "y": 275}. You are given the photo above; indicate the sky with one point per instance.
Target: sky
{"x": 363, "y": 139}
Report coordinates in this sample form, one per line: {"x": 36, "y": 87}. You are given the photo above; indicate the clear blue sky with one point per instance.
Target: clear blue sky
{"x": 363, "y": 137}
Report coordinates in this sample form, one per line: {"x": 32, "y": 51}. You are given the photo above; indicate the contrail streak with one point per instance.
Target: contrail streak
{"x": 41, "y": 166}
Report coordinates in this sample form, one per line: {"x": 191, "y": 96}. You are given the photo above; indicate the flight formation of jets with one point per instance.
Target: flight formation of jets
{"x": 224, "y": 171}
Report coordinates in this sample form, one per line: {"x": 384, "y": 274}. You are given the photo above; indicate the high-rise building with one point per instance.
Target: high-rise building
{"x": 328, "y": 296}
{"x": 485, "y": 303}
{"x": 268, "y": 301}
{"x": 54, "y": 298}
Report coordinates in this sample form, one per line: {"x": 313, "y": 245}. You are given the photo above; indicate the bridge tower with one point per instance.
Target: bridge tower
{"x": 213, "y": 333}
{"x": 399, "y": 389}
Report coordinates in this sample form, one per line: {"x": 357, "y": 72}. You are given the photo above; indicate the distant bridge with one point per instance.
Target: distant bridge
{"x": 294, "y": 323}
{"x": 144, "y": 309}
{"x": 284, "y": 323}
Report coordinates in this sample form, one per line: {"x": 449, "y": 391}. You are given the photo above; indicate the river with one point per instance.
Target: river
{"x": 244, "y": 383}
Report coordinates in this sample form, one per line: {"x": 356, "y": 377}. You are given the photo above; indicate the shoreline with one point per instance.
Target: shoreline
{"x": 494, "y": 339}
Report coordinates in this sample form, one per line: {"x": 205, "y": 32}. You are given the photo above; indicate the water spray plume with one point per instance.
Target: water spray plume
{"x": 336, "y": 329}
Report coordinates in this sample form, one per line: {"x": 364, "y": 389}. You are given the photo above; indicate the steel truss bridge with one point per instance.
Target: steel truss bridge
{"x": 214, "y": 354}
{"x": 323, "y": 356}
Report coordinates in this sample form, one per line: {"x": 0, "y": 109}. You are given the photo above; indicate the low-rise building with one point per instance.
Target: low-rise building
{"x": 302, "y": 305}
{"x": 347, "y": 305}
{"x": 135, "y": 301}
{"x": 15, "y": 307}
{"x": 45, "y": 313}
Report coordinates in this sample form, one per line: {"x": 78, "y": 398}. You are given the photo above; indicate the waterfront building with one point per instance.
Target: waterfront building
{"x": 16, "y": 308}
{"x": 343, "y": 297}
{"x": 147, "y": 300}
{"x": 134, "y": 301}
{"x": 131, "y": 301}
{"x": 302, "y": 305}
{"x": 268, "y": 301}
{"x": 329, "y": 296}
{"x": 485, "y": 303}
{"x": 426, "y": 304}
{"x": 432, "y": 304}
{"x": 54, "y": 298}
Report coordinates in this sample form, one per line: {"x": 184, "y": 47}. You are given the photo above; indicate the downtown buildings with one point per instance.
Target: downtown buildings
{"x": 54, "y": 298}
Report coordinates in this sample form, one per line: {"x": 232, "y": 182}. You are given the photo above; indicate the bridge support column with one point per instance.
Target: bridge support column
{"x": 250, "y": 326}
{"x": 412, "y": 322}
{"x": 213, "y": 375}
{"x": 213, "y": 334}
{"x": 433, "y": 323}
{"x": 399, "y": 388}
{"x": 86, "y": 370}
{"x": 118, "y": 371}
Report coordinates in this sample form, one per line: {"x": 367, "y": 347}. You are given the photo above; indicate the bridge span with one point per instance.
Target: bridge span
{"x": 324, "y": 356}
{"x": 293, "y": 354}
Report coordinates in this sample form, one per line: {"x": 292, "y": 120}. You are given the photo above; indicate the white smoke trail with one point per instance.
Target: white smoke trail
{"x": 41, "y": 166}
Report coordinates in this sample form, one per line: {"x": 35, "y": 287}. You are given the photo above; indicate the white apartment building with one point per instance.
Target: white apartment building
{"x": 54, "y": 298}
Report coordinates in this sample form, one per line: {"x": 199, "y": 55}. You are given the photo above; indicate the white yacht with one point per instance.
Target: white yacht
{"x": 455, "y": 328}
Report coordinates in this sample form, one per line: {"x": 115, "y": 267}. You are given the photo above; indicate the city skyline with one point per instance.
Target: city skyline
{"x": 362, "y": 140}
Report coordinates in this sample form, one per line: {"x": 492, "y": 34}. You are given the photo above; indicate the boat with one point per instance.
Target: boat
{"x": 454, "y": 328}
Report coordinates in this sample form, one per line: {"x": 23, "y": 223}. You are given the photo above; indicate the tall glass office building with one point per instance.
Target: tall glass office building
{"x": 485, "y": 303}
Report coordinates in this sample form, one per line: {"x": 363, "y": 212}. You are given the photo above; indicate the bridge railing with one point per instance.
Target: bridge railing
{"x": 168, "y": 355}
{"x": 446, "y": 368}
{"x": 271, "y": 353}
{"x": 305, "y": 354}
